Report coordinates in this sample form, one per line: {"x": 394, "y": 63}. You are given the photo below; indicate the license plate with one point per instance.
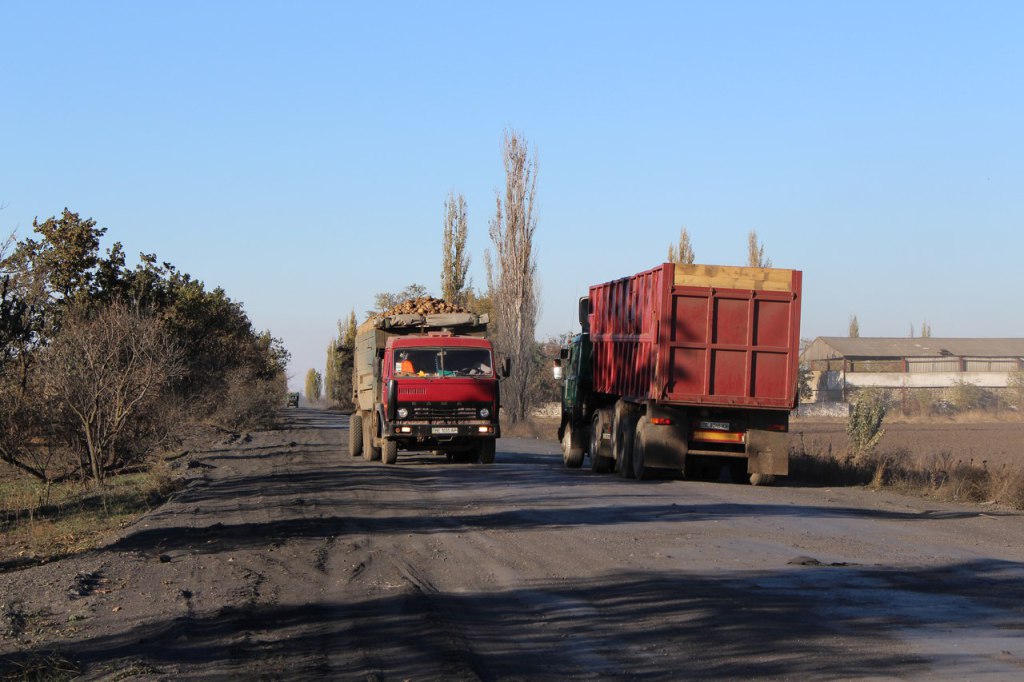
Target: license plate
{"x": 445, "y": 430}
{"x": 715, "y": 426}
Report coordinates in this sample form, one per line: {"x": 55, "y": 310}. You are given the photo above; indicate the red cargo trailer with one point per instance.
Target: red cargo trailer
{"x": 682, "y": 363}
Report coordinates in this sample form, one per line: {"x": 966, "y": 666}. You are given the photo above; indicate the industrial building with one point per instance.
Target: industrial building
{"x": 839, "y": 364}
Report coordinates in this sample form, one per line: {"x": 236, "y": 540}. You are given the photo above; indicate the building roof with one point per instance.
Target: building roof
{"x": 923, "y": 347}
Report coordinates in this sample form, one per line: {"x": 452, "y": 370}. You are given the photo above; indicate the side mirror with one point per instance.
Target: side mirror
{"x": 376, "y": 370}
{"x": 556, "y": 371}
{"x": 392, "y": 399}
{"x": 563, "y": 353}
{"x": 584, "y": 313}
{"x": 506, "y": 367}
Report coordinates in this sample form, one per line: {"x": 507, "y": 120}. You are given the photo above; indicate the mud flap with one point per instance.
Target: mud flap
{"x": 767, "y": 452}
{"x": 664, "y": 446}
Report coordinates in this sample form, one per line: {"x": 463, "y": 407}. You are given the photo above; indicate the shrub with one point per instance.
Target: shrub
{"x": 966, "y": 396}
{"x": 925, "y": 399}
{"x": 249, "y": 402}
{"x": 864, "y": 428}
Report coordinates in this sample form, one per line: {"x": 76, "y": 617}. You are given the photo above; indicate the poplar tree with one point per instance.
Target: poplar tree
{"x": 455, "y": 260}
{"x": 331, "y": 370}
{"x": 512, "y": 274}
{"x": 755, "y": 252}
{"x": 340, "y": 353}
{"x": 854, "y": 327}
{"x": 314, "y": 386}
{"x": 683, "y": 254}
{"x": 349, "y": 338}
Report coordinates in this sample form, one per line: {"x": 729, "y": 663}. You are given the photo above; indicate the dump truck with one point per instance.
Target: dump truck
{"x": 682, "y": 368}
{"x": 425, "y": 382}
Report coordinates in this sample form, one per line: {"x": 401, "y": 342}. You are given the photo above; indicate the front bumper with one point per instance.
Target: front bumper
{"x": 431, "y": 434}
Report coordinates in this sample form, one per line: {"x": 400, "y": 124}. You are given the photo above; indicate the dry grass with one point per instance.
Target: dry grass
{"x": 542, "y": 428}
{"x": 49, "y": 666}
{"x": 40, "y": 523}
{"x": 940, "y": 476}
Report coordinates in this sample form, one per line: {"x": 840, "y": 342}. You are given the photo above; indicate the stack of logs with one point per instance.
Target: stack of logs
{"x": 425, "y": 305}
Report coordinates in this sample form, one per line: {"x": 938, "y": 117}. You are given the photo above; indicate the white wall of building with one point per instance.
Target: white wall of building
{"x": 920, "y": 380}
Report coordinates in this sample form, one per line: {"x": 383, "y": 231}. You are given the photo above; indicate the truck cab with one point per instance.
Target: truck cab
{"x": 441, "y": 394}
{"x": 426, "y": 383}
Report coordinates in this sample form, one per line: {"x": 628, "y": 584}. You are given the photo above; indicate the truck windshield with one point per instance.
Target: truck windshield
{"x": 443, "y": 362}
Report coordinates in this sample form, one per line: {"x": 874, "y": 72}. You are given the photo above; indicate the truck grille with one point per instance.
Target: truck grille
{"x": 442, "y": 411}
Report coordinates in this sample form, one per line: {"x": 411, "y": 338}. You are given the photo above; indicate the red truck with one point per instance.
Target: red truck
{"x": 682, "y": 366}
{"x": 425, "y": 382}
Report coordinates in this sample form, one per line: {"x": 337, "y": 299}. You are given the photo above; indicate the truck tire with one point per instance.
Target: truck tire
{"x": 762, "y": 479}
{"x": 623, "y": 428}
{"x": 355, "y": 435}
{"x": 572, "y": 447}
{"x": 486, "y": 451}
{"x": 640, "y": 472}
{"x": 389, "y": 453}
{"x": 600, "y": 463}
{"x": 370, "y": 453}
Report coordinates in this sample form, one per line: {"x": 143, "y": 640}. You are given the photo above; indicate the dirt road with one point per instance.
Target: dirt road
{"x": 284, "y": 558}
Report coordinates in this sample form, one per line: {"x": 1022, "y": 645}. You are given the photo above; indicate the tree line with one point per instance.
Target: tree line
{"x": 102, "y": 364}
{"x": 510, "y": 299}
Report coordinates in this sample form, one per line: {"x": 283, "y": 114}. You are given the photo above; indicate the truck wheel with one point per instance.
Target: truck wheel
{"x": 486, "y": 451}
{"x": 762, "y": 479}
{"x": 355, "y": 435}
{"x": 640, "y": 472}
{"x": 572, "y": 447}
{"x": 600, "y": 463}
{"x": 623, "y": 428}
{"x": 370, "y": 453}
{"x": 389, "y": 453}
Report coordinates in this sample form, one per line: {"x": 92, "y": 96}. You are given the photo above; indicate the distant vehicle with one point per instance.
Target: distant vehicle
{"x": 293, "y": 400}
{"x": 684, "y": 366}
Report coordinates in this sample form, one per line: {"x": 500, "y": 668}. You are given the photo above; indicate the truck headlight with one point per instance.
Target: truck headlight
{"x": 402, "y": 413}
{"x": 484, "y": 413}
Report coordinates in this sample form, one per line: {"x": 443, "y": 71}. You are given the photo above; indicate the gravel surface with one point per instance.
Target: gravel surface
{"x": 284, "y": 558}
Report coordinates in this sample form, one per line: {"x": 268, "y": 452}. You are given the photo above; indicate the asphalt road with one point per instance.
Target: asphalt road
{"x": 284, "y": 558}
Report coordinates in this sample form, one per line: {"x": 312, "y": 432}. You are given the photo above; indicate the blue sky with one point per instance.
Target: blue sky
{"x": 299, "y": 154}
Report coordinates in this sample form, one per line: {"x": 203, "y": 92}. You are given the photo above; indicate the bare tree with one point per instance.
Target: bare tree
{"x": 387, "y": 300}
{"x": 455, "y": 262}
{"x": 755, "y": 252}
{"x": 683, "y": 255}
{"x": 854, "y": 327}
{"x": 109, "y": 372}
{"x": 512, "y": 273}
{"x": 926, "y": 329}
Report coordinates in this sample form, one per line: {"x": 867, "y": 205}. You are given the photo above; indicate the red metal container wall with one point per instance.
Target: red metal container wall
{"x": 623, "y": 330}
{"x": 694, "y": 344}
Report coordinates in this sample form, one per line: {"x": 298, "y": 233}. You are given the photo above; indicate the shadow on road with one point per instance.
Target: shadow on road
{"x": 777, "y": 624}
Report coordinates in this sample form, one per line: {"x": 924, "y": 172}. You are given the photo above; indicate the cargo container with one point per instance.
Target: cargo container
{"x": 425, "y": 382}
{"x": 684, "y": 366}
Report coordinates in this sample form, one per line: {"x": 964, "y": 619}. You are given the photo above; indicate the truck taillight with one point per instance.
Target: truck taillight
{"x": 661, "y": 421}
{"x": 484, "y": 429}
{"x": 719, "y": 436}
{"x": 777, "y": 427}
